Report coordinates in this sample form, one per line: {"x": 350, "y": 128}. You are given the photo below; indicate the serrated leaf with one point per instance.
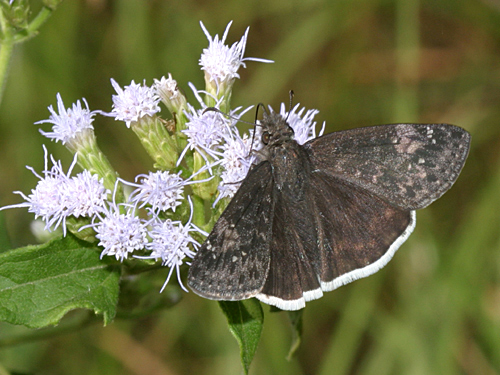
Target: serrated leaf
{"x": 39, "y": 284}
{"x": 245, "y": 319}
{"x": 296, "y": 320}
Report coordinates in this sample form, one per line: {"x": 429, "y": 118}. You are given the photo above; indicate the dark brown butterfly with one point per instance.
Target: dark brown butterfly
{"x": 313, "y": 217}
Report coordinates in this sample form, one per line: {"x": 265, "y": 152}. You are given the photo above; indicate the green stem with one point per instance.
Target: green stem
{"x": 6, "y": 49}
{"x": 39, "y": 20}
{"x": 5, "y": 56}
{"x": 10, "y": 38}
{"x": 91, "y": 158}
{"x": 32, "y": 28}
{"x": 157, "y": 142}
{"x": 199, "y": 212}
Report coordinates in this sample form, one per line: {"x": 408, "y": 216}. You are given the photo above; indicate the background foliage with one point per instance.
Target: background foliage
{"x": 435, "y": 309}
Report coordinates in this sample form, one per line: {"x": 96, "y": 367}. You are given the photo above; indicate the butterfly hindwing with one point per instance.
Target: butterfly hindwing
{"x": 357, "y": 232}
{"x": 409, "y": 165}
{"x": 233, "y": 262}
{"x": 293, "y": 269}
{"x": 345, "y": 233}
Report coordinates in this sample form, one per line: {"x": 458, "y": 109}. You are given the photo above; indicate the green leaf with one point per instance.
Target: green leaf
{"x": 39, "y": 284}
{"x": 245, "y": 319}
{"x": 296, "y": 322}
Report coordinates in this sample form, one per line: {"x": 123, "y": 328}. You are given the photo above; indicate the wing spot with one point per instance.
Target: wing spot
{"x": 234, "y": 258}
{"x": 421, "y": 160}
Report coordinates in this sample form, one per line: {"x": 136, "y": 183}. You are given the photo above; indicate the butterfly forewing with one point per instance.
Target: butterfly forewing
{"x": 233, "y": 262}
{"x": 409, "y": 165}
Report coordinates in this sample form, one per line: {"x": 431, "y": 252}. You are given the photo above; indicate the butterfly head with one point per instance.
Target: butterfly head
{"x": 275, "y": 129}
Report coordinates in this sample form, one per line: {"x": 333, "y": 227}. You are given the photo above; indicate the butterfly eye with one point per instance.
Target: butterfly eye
{"x": 265, "y": 138}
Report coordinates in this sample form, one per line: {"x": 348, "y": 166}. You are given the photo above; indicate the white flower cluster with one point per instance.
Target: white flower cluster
{"x": 165, "y": 232}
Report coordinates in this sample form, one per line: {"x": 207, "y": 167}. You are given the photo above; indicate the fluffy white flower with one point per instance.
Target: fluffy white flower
{"x": 133, "y": 102}
{"x": 237, "y": 159}
{"x": 205, "y": 131}
{"x": 171, "y": 243}
{"x": 161, "y": 190}
{"x": 89, "y": 193}
{"x": 58, "y": 196}
{"x": 120, "y": 233}
{"x": 69, "y": 123}
{"x": 168, "y": 91}
{"x": 303, "y": 125}
{"x": 221, "y": 62}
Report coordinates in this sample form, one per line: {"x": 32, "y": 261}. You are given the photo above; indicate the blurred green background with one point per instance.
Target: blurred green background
{"x": 435, "y": 309}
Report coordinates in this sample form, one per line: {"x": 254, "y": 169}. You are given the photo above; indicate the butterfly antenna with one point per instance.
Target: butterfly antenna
{"x": 260, "y": 105}
{"x": 255, "y": 124}
{"x": 291, "y": 93}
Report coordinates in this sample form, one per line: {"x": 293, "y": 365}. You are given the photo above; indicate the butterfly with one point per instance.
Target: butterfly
{"x": 310, "y": 218}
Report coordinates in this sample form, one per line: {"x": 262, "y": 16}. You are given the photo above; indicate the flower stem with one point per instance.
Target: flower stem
{"x": 199, "y": 212}
{"x": 5, "y": 55}
{"x": 10, "y": 38}
{"x": 6, "y": 48}
{"x": 37, "y": 22}
{"x": 91, "y": 158}
{"x": 157, "y": 142}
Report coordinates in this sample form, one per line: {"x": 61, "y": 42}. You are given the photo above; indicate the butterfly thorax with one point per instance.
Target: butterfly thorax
{"x": 289, "y": 161}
